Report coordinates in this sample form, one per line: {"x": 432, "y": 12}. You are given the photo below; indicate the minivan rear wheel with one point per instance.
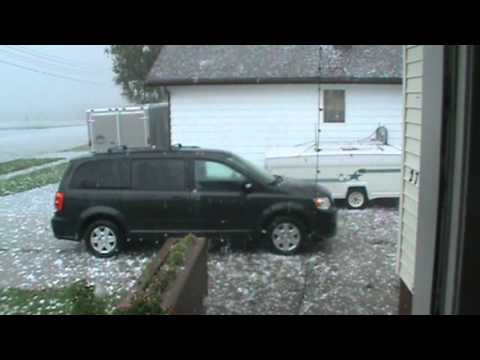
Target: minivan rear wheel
{"x": 286, "y": 235}
{"x": 104, "y": 239}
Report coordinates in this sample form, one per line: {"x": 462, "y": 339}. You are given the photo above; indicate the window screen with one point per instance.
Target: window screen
{"x": 334, "y": 108}
{"x": 160, "y": 175}
{"x": 102, "y": 174}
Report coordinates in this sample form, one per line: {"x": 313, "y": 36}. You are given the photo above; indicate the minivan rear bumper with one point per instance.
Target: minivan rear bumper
{"x": 62, "y": 228}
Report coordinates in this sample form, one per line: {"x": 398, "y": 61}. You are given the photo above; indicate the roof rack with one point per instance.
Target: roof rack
{"x": 129, "y": 108}
{"x": 124, "y": 148}
{"x": 180, "y": 146}
{"x": 117, "y": 149}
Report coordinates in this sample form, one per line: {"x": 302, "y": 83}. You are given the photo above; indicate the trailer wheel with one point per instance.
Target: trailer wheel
{"x": 357, "y": 198}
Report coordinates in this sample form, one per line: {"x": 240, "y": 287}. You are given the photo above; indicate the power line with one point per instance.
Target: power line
{"x": 50, "y": 74}
{"x": 35, "y": 62}
{"x": 39, "y": 67}
{"x": 47, "y": 56}
{"x": 50, "y": 57}
{"x": 44, "y": 58}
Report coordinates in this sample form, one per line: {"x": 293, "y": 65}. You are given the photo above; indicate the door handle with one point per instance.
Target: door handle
{"x": 195, "y": 195}
{"x": 178, "y": 198}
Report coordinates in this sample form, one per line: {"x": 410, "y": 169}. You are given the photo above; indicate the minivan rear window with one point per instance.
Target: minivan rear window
{"x": 159, "y": 174}
{"x": 101, "y": 174}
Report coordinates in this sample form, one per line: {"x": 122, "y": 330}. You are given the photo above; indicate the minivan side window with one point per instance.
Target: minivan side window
{"x": 214, "y": 176}
{"x": 159, "y": 174}
{"x": 101, "y": 175}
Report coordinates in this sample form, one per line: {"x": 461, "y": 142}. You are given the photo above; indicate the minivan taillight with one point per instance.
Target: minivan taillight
{"x": 59, "y": 201}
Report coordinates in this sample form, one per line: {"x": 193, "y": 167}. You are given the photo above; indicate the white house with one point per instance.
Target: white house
{"x": 250, "y": 99}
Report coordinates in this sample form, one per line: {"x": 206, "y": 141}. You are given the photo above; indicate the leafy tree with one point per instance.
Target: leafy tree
{"x": 131, "y": 65}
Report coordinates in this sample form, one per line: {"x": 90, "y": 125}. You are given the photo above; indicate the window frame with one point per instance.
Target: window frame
{"x": 324, "y": 107}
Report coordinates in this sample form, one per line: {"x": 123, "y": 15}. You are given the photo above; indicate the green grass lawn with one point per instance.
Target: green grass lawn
{"x": 77, "y": 299}
{"x": 32, "y": 180}
{"x": 22, "y": 164}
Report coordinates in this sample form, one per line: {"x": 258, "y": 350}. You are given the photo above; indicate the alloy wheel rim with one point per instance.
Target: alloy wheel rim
{"x": 286, "y": 237}
{"x": 103, "y": 240}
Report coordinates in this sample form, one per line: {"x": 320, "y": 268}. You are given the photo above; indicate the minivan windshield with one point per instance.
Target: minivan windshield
{"x": 252, "y": 169}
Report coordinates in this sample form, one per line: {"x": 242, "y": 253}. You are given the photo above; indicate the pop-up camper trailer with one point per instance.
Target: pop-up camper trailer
{"x": 356, "y": 173}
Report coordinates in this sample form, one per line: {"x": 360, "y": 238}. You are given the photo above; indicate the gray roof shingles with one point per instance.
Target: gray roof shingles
{"x": 231, "y": 64}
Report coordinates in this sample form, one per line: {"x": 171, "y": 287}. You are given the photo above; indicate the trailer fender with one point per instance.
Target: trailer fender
{"x": 357, "y": 184}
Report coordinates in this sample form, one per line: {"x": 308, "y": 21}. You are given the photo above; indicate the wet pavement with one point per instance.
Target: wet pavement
{"x": 353, "y": 273}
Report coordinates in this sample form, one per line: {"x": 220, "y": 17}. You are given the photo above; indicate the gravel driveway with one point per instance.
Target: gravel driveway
{"x": 354, "y": 273}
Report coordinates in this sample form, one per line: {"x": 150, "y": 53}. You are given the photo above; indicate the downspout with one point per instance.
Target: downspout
{"x": 317, "y": 126}
{"x": 168, "y": 96}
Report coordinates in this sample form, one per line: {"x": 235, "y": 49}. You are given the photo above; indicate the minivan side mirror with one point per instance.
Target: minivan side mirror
{"x": 248, "y": 187}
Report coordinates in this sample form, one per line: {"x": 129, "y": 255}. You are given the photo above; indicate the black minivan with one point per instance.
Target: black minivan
{"x": 109, "y": 199}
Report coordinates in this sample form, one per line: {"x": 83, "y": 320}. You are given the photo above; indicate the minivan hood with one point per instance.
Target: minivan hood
{"x": 305, "y": 188}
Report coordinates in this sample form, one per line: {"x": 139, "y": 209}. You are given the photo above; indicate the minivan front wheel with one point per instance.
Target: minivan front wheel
{"x": 103, "y": 239}
{"x": 286, "y": 235}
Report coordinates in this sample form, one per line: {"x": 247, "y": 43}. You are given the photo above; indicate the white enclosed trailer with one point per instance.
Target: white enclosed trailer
{"x": 133, "y": 127}
{"x": 355, "y": 173}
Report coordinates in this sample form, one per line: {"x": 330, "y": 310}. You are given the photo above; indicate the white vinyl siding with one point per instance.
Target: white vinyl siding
{"x": 367, "y": 107}
{"x": 245, "y": 119}
{"x": 253, "y": 119}
{"x": 412, "y": 152}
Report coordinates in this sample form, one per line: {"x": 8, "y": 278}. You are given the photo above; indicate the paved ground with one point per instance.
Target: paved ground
{"x": 21, "y": 143}
{"x": 350, "y": 274}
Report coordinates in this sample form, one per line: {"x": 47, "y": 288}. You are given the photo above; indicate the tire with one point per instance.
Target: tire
{"x": 357, "y": 199}
{"x": 214, "y": 244}
{"x": 286, "y": 235}
{"x": 104, "y": 239}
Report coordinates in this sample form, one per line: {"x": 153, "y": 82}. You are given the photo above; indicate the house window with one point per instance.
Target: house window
{"x": 334, "y": 106}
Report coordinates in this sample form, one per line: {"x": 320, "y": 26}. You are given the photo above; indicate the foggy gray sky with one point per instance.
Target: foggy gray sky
{"x": 28, "y": 97}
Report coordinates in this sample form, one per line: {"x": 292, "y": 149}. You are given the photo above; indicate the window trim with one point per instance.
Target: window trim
{"x": 324, "y": 106}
